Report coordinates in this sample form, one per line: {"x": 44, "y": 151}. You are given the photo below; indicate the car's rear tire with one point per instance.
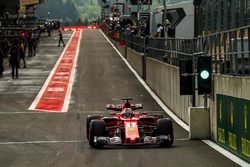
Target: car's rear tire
{"x": 97, "y": 128}
{"x": 88, "y": 120}
{"x": 165, "y": 127}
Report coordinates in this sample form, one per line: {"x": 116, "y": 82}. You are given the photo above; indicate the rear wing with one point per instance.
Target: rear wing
{"x": 119, "y": 107}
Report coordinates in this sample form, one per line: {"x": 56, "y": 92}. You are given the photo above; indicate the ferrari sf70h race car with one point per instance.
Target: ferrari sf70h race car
{"x": 126, "y": 126}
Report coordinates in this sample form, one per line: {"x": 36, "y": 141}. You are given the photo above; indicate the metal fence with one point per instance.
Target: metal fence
{"x": 229, "y": 49}
{"x": 135, "y": 42}
{"x": 170, "y": 50}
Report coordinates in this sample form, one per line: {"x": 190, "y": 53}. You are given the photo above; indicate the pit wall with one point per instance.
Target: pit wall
{"x": 120, "y": 48}
{"x": 163, "y": 79}
{"x": 229, "y": 104}
{"x": 135, "y": 60}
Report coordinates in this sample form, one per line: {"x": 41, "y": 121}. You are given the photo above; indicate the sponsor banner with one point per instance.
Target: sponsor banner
{"x": 75, "y": 28}
{"x": 233, "y": 127}
{"x": 28, "y": 2}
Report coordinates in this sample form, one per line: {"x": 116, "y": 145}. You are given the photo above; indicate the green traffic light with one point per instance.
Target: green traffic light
{"x": 204, "y": 74}
{"x": 204, "y": 69}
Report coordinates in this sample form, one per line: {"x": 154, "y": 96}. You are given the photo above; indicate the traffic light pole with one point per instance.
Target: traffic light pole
{"x": 205, "y": 100}
{"x": 194, "y": 83}
{"x": 194, "y": 59}
{"x": 164, "y": 13}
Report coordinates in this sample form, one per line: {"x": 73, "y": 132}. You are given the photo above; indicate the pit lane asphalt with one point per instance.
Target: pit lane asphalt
{"x": 39, "y": 139}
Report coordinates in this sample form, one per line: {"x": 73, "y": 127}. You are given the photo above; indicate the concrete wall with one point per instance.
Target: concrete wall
{"x": 232, "y": 86}
{"x": 164, "y": 80}
{"x": 121, "y": 49}
{"x": 199, "y": 123}
{"x": 135, "y": 60}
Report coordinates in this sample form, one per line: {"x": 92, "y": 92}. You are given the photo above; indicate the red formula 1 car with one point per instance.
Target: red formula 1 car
{"x": 128, "y": 127}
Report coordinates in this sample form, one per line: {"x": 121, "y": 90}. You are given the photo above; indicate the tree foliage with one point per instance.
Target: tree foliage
{"x": 70, "y": 11}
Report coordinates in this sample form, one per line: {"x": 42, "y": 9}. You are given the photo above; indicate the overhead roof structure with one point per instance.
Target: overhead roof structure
{"x": 9, "y": 2}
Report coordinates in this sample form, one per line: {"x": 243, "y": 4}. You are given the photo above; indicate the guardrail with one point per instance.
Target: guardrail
{"x": 230, "y": 50}
{"x": 136, "y": 43}
{"x": 170, "y": 50}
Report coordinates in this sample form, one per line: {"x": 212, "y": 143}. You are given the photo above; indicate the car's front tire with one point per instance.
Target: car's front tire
{"x": 165, "y": 127}
{"x": 88, "y": 120}
{"x": 97, "y": 128}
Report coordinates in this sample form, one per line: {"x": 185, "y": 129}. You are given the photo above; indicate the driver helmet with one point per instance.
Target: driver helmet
{"x": 127, "y": 112}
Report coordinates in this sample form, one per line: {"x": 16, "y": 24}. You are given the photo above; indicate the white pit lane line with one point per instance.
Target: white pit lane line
{"x": 174, "y": 117}
{"x": 62, "y": 113}
{"x": 41, "y": 142}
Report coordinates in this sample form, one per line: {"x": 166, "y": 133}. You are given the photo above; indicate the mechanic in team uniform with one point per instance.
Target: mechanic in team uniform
{"x": 14, "y": 59}
{"x": 1, "y": 60}
{"x": 22, "y": 53}
{"x": 61, "y": 39}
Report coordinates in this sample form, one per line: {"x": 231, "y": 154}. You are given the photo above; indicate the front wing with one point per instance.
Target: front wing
{"x": 148, "y": 140}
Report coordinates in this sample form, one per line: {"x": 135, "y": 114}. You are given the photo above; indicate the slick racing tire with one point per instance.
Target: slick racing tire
{"x": 97, "y": 128}
{"x": 165, "y": 127}
{"x": 88, "y": 120}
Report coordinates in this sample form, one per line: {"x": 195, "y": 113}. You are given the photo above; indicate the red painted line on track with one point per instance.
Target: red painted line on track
{"x": 58, "y": 85}
{"x": 73, "y": 28}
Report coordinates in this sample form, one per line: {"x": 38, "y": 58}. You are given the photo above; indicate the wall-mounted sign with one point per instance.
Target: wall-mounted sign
{"x": 28, "y": 2}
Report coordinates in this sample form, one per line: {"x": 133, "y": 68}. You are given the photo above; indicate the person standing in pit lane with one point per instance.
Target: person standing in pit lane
{"x": 60, "y": 39}
{"x": 1, "y": 59}
{"x": 14, "y": 59}
{"x": 34, "y": 44}
{"x": 30, "y": 46}
{"x": 22, "y": 52}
